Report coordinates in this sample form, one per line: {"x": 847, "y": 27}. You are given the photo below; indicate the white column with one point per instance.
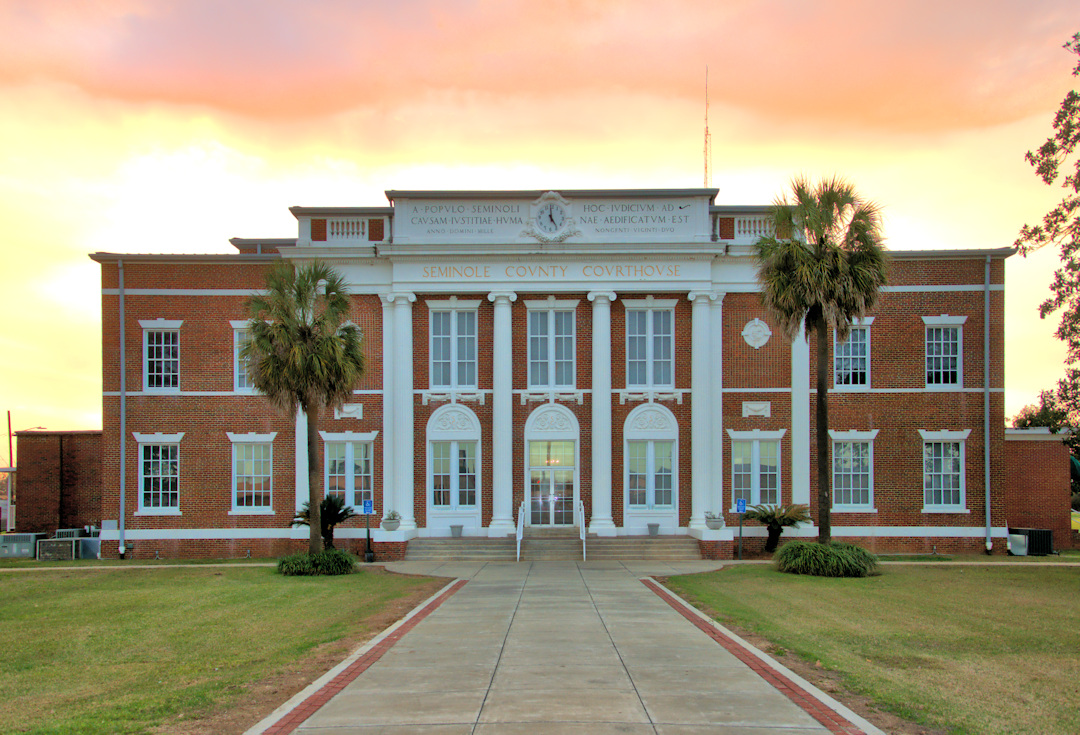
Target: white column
{"x": 716, "y": 406}
{"x": 303, "y": 486}
{"x": 388, "y": 461}
{"x": 404, "y": 459}
{"x": 700, "y": 403}
{"x": 601, "y": 522}
{"x": 800, "y": 420}
{"x": 502, "y": 418}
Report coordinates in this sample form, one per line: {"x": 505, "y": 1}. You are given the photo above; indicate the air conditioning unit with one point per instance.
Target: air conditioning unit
{"x": 1040, "y": 541}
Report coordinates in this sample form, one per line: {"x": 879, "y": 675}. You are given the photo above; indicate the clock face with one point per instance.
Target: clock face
{"x": 550, "y": 217}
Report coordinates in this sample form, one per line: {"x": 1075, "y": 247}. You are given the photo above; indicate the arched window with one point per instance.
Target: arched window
{"x": 650, "y": 466}
{"x": 453, "y": 468}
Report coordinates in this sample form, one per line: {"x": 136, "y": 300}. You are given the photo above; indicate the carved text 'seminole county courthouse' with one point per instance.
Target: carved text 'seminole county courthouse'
{"x": 608, "y": 347}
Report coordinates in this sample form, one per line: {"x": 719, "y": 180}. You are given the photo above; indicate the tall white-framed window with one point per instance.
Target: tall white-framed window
{"x": 851, "y": 358}
{"x": 453, "y": 468}
{"x": 755, "y": 467}
{"x": 159, "y": 473}
{"x": 241, "y": 375}
{"x": 453, "y": 343}
{"x": 348, "y": 468}
{"x": 551, "y": 339}
{"x": 453, "y": 475}
{"x": 944, "y": 473}
{"x": 650, "y": 343}
{"x": 252, "y": 473}
{"x": 853, "y": 470}
{"x": 944, "y": 351}
{"x": 650, "y": 454}
{"x": 161, "y": 355}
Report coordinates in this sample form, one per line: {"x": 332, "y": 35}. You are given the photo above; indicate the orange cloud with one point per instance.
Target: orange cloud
{"x": 914, "y": 66}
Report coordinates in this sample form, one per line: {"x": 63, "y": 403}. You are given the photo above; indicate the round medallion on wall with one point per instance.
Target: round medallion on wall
{"x": 756, "y": 333}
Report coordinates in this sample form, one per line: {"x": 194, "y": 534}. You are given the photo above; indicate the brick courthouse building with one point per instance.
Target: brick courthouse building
{"x": 607, "y": 347}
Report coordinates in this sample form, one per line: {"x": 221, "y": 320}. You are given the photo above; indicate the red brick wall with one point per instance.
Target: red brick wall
{"x": 897, "y": 339}
{"x": 59, "y": 481}
{"x": 1038, "y": 491}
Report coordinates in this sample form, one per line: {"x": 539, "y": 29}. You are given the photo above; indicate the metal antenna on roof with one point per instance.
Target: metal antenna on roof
{"x": 708, "y": 136}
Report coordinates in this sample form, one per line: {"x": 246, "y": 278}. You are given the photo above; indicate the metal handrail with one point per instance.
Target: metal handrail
{"x": 520, "y": 528}
{"x": 581, "y": 526}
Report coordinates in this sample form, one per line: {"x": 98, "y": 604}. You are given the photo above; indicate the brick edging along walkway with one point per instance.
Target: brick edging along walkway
{"x": 810, "y": 704}
{"x": 295, "y": 717}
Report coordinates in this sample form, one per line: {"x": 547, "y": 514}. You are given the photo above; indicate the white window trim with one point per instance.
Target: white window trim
{"x": 863, "y": 323}
{"x": 946, "y": 436}
{"x": 652, "y": 435}
{"x": 453, "y": 306}
{"x": 549, "y": 306}
{"x": 946, "y": 320}
{"x": 349, "y": 437}
{"x": 250, "y": 438}
{"x": 238, "y": 326}
{"x": 865, "y": 437}
{"x": 157, "y": 438}
{"x": 159, "y": 325}
{"x": 441, "y": 515}
{"x": 756, "y": 436}
{"x": 454, "y": 508}
{"x": 649, "y": 305}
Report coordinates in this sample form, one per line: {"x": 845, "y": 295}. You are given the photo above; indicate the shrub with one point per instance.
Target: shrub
{"x": 326, "y": 562}
{"x": 821, "y": 560}
{"x": 776, "y": 518}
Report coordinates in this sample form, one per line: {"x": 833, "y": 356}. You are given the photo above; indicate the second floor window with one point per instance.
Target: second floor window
{"x": 161, "y": 354}
{"x": 851, "y": 360}
{"x": 650, "y": 354}
{"x": 453, "y": 349}
{"x": 551, "y": 348}
{"x": 944, "y": 351}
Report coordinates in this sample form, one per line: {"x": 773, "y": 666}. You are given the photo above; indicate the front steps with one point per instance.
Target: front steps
{"x": 555, "y": 545}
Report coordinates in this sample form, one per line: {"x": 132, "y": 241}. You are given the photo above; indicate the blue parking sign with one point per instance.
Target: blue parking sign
{"x": 740, "y": 505}
{"x": 369, "y": 508}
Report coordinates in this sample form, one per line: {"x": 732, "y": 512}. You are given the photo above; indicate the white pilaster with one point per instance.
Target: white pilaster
{"x": 601, "y": 522}
{"x": 303, "y": 487}
{"x": 700, "y": 403}
{"x": 404, "y": 458}
{"x": 502, "y": 418}
{"x": 388, "y": 500}
{"x": 715, "y": 503}
{"x": 800, "y": 419}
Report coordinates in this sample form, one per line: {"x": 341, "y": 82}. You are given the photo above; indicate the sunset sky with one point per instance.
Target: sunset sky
{"x": 141, "y": 126}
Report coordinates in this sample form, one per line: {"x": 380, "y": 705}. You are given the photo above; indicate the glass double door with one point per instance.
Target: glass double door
{"x": 551, "y": 483}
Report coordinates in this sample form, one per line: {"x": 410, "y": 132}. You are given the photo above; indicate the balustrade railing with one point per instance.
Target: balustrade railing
{"x": 753, "y": 227}
{"x": 347, "y": 228}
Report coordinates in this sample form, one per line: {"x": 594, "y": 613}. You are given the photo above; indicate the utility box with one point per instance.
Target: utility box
{"x": 19, "y": 545}
{"x": 68, "y": 549}
{"x": 1040, "y": 541}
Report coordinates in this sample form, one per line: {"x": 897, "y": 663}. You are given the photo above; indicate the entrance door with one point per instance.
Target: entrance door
{"x": 551, "y": 483}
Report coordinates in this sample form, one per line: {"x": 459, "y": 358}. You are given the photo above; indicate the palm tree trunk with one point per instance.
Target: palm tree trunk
{"x": 824, "y": 471}
{"x": 315, "y": 542}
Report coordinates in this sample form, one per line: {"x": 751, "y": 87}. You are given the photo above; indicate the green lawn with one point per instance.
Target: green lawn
{"x": 970, "y": 649}
{"x": 126, "y": 651}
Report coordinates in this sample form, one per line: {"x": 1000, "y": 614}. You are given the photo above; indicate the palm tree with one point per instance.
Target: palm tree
{"x": 332, "y": 512}
{"x": 823, "y": 266}
{"x": 303, "y": 355}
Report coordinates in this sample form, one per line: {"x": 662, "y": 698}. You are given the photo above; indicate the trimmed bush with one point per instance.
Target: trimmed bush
{"x": 819, "y": 560}
{"x": 327, "y": 562}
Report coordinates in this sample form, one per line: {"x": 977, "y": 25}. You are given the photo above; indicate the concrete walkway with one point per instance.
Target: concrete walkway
{"x": 563, "y": 647}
